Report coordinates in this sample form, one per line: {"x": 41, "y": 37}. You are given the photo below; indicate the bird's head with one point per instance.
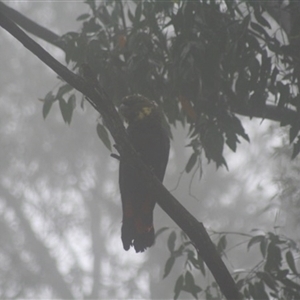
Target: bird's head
{"x": 136, "y": 107}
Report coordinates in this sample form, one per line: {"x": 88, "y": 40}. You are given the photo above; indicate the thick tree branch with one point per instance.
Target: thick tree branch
{"x": 285, "y": 116}
{"x": 32, "y": 27}
{"x": 100, "y": 101}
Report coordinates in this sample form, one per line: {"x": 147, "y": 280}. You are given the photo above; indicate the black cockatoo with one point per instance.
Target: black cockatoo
{"x": 151, "y": 141}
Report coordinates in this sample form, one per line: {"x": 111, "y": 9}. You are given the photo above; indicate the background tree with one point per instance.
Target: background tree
{"x": 202, "y": 62}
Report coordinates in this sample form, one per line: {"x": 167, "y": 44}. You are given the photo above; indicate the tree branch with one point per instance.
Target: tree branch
{"x": 31, "y": 26}
{"x": 101, "y": 102}
{"x": 285, "y": 116}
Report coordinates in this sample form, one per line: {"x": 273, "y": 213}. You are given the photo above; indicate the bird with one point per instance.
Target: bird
{"x": 151, "y": 141}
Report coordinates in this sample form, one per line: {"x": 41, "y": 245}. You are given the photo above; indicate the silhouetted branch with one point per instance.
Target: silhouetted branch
{"x": 285, "y": 116}
{"x": 101, "y": 102}
{"x": 31, "y": 26}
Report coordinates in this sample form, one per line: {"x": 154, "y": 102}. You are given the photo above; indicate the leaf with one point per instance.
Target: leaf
{"x": 63, "y": 90}
{"x": 231, "y": 140}
{"x": 260, "y": 291}
{"x": 284, "y": 91}
{"x": 72, "y": 101}
{"x": 201, "y": 265}
{"x": 260, "y": 19}
{"x": 252, "y": 291}
{"x": 138, "y": 12}
{"x": 222, "y": 243}
{"x": 171, "y": 241}
{"x": 191, "y": 162}
{"x": 103, "y": 135}
{"x": 268, "y": 279}
{"x": 293, "y": 132}
{"x": 245, "y": 22}
{"x": 83, "y": 17}
{"x": 254, "y": 240}
{"x": 274, "y": 74}
{"x": 213, "y": 143}
{"x": 130, "y": 16}
{"x": 91, "y": 3}
{"x": 254, "y": 67}
{"x": 48, "y": 101}
{"x": 291, "y": 261}
{"x": 190, "y": 285}
{"x": 263, "y": 247}
{"x": 189, "y": 279}
{"x": 178, "y": 286}
{"x": 65, "y": 110}
{"x": 240, "y": 283}
{"x": 168, "y": 266}
{"x": 273, "y": 258}
{"x": 296, "y": 148}
{"x": 258, "y": 28}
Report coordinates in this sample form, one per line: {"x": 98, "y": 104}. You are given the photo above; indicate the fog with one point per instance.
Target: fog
{"x": 60, "y": 208}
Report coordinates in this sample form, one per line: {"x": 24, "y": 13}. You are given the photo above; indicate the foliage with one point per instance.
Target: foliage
{"x": 274, "y": 276}
{"x": 202, "y": 61}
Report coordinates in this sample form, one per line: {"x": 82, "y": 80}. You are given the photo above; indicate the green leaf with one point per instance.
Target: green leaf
{"x": 178, "y": 286}
{"x": 72, "y": 101}
{"x": 103, "y": 135}
{"x": 296, "y": 148}
{"x": 263, "y": 247}
{"x": 168, "y": 266}
{"x": 171, "y": 241}
{"x": 83, "y": 17}
{"x": 91, "y": 3}
{"x": 201, "y": 265}
{"x": 190, "y": 285}
{"x": 240, "y": 283}
{"x": 268, "y": 279}
{"x": 191, "y": 162}
{"x": 254, "y": 240}
{"x": 260, "y": 291}
{"x": 231, "y": 140}
{"x": 222, "y": 243}
{"x": 63, "y": 90}
{"x": 260, "y": 19}
{"x": 258, "y": 28}
{"x": 48, "y": 101}
{"x": 138, "y": 12}
{"x": 291, "y": 261}
{"x": 252, "y": 291}
{"x": 213, "y": 143}
{"x": 130, "y": 16}
{"x": 273, "y": 258}
{"x": 274, "y": 74}
{"x": 293, "y": 132}
{"x": 284, "y": 91}
{"x": 189, "y": 279}
{"x": 65, "y": 110}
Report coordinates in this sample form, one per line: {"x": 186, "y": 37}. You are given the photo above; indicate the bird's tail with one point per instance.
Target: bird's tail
{"x": 138, "y": 231}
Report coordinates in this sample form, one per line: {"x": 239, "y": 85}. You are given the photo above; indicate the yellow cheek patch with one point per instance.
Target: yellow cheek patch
{"x": 146, "y": 111}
